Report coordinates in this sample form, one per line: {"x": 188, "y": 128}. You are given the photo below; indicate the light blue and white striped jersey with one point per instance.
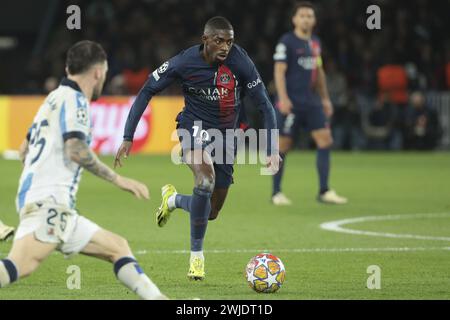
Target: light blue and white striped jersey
{"x": 48, "y": 172}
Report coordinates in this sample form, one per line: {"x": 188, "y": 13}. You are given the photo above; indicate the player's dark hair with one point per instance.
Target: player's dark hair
{"x": 82, "y": 55}
{"x": 218, "y": 23}
{"x": 300, "y": 5}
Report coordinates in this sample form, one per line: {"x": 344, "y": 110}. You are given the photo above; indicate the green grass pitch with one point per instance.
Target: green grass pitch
{"x": 319, "y": 264}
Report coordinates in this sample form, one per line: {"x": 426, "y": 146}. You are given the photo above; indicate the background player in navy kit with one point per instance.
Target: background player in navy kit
{"x": 213, "y": 76}
{"x": 303, "y": 99}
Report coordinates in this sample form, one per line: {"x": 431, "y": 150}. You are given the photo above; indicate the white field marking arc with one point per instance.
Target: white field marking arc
{"x": 336, "y": 226}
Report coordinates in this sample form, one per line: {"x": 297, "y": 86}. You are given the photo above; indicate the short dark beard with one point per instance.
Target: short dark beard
{"x": 96, "y": 93}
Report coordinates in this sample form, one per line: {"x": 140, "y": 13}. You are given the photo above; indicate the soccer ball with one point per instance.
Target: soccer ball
{"x": 265, "y": 273}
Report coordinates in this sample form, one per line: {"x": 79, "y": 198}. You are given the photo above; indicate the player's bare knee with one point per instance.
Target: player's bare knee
{"x": 285, "y": 144}
{"x": 324, "y": 140}
{"x": 329, "y": 141}
{"x": 205, "y": 182}
{"x": 123, "y": 248}
{"x": 123, "y": 243}
{"x": 119, "y": 248}
{"x": 284, "y": 150}
{"x": 326, "y": 143}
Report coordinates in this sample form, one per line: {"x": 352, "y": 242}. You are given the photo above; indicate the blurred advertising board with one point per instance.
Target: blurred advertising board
{"x": 108, "y": 114}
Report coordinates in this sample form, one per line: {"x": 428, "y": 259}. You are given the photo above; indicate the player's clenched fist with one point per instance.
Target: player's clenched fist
{"x": 273, "y": 162}
{"x": 140, "y": 190}
{"x": 123, "y": 151}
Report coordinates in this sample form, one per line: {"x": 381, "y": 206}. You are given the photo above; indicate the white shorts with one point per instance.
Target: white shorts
{"x": 52, "y": 223}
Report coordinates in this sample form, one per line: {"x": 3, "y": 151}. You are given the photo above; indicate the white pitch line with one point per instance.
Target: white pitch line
{"x": 299, "y": 250}
{"x": 336, "y": 226}
{"x": 293, "y": 250}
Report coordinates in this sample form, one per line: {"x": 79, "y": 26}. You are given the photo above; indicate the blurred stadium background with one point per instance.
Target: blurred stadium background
{"x": 390, "y": 87}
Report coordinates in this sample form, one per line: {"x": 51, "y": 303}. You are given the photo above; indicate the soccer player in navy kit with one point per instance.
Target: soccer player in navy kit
{"x": 302, "y": 99}
{"x": 214, "y": 76}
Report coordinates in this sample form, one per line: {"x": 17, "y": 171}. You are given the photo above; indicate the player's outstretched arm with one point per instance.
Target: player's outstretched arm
{"x": 159, "y": 80}
{"x": 78, "y": 151}
{"x": 279, "y": 73}
{"x": 261, "y": 99}
{"x": 124, "y": 151}
{"x": 258, "y": 93}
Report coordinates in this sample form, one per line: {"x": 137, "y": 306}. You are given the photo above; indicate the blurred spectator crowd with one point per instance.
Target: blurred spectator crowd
{"x": 377, "y": 79}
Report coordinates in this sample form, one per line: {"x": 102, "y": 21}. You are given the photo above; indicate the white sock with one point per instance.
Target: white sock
{"x": 171, "y": 202}
{"x": 4, "y": 275}
{"x": 131, "y": 275}
{"x": 197, "y": 254}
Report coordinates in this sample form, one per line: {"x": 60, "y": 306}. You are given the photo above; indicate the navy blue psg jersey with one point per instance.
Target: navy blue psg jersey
{"x": 212, "y": 93}
{"x": 303, "y": 58}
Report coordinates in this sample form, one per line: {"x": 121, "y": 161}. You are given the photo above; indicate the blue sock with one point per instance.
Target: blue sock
{"x": 124, "y": 261}
{"x": 323, "y": 168}
{"x": 200, "y": 209}
{"x": 8, "y": 272}
{"x": 183, "y": 201}
{"x": 276, "y": 179}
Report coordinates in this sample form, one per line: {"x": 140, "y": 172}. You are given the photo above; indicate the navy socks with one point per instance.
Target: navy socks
{"x": 276, "y": 179}
{"x": 183, "y": 201}
{"x": 199, "y": 207}
{"x": 323, "y": 168}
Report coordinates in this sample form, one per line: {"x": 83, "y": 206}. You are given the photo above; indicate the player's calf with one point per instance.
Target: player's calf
{"x": 200, "y": 210}
{"x": 217, "y": 200}
{"x": 114, "y": 248}
{"x": 107, "y": 246}
{"x": 285, "y": 144}
{"x": 322, "y": 138}
{"x": 25, "y": 256}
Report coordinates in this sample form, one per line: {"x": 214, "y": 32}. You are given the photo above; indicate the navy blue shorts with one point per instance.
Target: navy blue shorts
{"x": 309, "y": 117}
{"x": 222, "y": 150}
